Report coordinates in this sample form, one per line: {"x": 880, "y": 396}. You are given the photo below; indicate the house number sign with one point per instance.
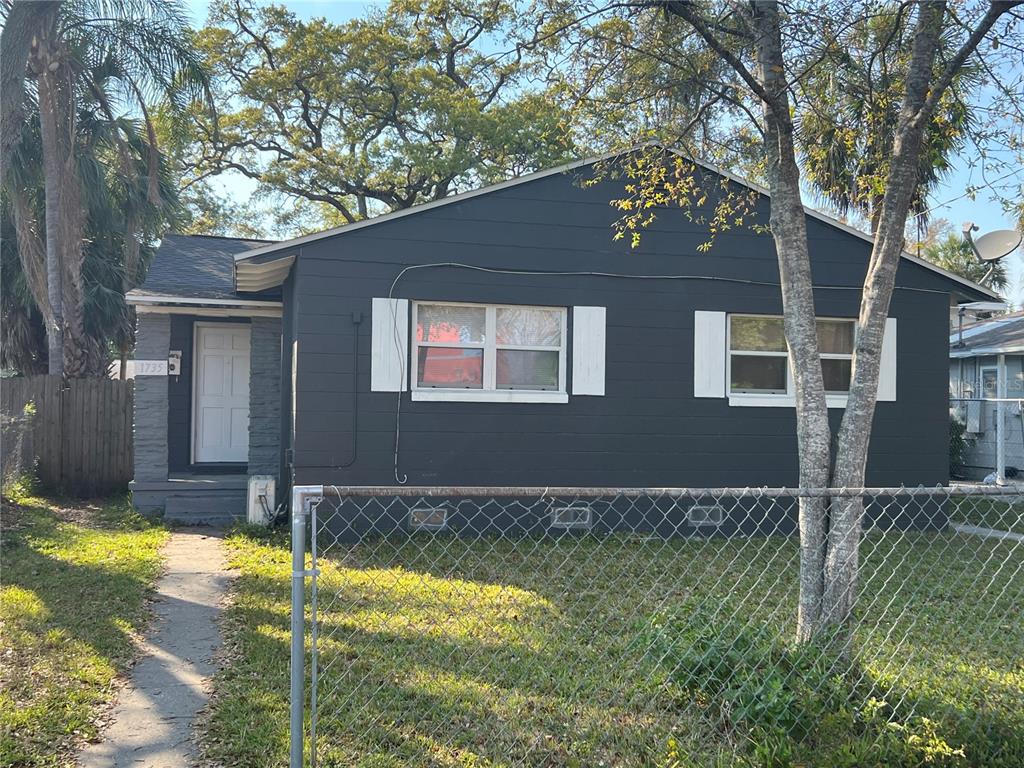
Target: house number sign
{"x": 150, "y": 367}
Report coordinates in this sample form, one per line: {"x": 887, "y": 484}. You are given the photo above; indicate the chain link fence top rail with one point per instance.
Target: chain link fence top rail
{"x": 654, "y": 627}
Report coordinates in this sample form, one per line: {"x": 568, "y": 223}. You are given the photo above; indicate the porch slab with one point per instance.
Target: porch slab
{"x": 193, "y": 499}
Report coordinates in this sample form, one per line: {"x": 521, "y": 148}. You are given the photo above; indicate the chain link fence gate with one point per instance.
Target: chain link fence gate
{"x": 649, "y": 627}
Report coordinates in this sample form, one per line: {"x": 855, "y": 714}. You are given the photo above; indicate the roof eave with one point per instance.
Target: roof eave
{"x": 1011, "y": 349}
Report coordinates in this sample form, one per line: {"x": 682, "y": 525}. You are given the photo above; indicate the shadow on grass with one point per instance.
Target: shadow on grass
{"x": 436, "y": 653}
{"x": 72, "y": 597}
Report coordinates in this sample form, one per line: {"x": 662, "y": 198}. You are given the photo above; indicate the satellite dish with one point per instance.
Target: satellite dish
{"x": 993, "y": 246}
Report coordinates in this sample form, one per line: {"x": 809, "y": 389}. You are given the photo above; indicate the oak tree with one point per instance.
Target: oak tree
{"x": 408, "y": 104}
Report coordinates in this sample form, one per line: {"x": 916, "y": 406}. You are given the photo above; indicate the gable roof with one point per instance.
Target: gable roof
{"x": 254, "y": 267}
{"x": 1000, "y": 335}
{"x": 194, "y": 266}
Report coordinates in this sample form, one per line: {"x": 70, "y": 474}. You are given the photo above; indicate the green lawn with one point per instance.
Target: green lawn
{"x": 990, "y": 513}
{"x": 75, "y": 582}
{"x": 444, "y": 652}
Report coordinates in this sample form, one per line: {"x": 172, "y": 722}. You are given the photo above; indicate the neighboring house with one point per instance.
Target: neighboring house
{"x": 974, "y": 354}
{"x": 503, "y": 337}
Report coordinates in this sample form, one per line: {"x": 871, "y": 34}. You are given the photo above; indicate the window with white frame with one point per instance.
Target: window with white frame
{"x": 488, "y": 347}
{"x": 758, "y": 357}
{"x": 989, "y": 382}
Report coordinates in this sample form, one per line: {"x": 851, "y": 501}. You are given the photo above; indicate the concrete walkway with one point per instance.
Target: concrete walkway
{"x": 988, "y": 533}
{"x": 151, "y": 725}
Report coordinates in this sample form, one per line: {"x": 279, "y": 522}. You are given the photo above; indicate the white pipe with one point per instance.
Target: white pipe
{"x": 1000, "y": 421}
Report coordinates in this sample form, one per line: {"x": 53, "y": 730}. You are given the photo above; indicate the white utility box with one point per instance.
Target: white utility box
{"x": 260, "y": 507}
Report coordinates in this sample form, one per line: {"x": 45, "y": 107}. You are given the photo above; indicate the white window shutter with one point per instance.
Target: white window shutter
{"x": 887, "y": 365}
{"x": 588, "y": 350}
{"x": 389, "y": 345}
{"x": 709, "y": 354}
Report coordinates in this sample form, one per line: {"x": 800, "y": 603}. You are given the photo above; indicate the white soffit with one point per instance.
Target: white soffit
{"x": 252, "y": 277}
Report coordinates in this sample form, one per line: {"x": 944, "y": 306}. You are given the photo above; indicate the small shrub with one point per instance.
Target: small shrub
{"x": 21, "y": 489}
{"x": 958, "y": 446}
{"x": 17, "y": 470}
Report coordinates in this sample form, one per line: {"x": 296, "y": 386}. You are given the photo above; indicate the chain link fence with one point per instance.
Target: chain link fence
{"x": 650, "y": 627}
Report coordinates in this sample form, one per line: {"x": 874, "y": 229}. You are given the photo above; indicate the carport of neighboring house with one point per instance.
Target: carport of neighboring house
{"x": 207, "y": 383}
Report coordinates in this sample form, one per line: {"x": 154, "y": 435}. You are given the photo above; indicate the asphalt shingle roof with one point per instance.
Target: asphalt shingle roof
{"x": 1000, "y": 334}
{"x": 195, "y": 266}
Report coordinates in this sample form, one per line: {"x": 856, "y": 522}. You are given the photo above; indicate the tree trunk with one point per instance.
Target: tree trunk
{"x": 72, "y": 352}
{"x": 855, "y": 431}
{"x": 25, "y": 22}
{"x": 122, "y": 373}
{"x": 82, "y": 354}
{"x": 830, "y": 533}
{"x": 789, "y": 230}
{"x": 52, "y": 182}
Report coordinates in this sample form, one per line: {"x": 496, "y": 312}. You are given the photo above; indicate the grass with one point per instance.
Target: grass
{"x": 991, "y": 513}
{"x": 75, "y": 583}
{"x": 448, "y": 652}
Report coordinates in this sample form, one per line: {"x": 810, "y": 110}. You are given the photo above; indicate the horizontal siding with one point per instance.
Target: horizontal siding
{"x": 648, "y": 429}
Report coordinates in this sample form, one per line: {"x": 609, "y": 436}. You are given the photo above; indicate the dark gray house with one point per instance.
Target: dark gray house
{"x": 502, "y": 337}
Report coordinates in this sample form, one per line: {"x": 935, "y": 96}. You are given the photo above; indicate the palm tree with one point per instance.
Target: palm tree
{"x": 953, "y": 253}
{"x": 845, "y": 134}
{"x": 121, "y": 223}
{"x": 118, "y": 57}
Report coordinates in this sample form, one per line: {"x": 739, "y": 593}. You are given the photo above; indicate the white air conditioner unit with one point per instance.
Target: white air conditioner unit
{"x": 974, "y": 417}
{"x": 260, "y": 506}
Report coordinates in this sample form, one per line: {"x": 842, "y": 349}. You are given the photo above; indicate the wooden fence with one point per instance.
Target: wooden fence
{"x": 81, "y": 434}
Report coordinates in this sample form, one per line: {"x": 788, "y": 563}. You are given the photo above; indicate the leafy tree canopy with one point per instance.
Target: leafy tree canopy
{"x": 409, "y": 104}
{"x": 851, "y": 109}
{"x": 633, "y": 73}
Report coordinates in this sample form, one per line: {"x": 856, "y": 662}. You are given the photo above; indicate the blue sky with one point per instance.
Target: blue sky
{"x": 949, "y": 201}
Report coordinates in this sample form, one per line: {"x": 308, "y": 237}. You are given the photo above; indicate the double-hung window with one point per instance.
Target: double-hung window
{"x": 758, "y": 360}
{"x": 835, "y": 344}
{"x": 489, "y": 349}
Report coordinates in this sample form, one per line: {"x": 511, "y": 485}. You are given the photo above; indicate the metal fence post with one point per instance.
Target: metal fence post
{"x": 298, "y": 667}
{"x": 301, "y": 496}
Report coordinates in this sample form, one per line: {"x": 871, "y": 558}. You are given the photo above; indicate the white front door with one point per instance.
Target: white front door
{"x": 221, "y": 387}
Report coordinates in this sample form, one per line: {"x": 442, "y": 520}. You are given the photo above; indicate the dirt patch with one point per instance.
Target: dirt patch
{"x": 14, "y": 515}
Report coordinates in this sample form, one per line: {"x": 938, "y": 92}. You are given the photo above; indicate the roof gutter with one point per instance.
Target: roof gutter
{"x": 180, "y": 305}
{"x": 143, "y": 299}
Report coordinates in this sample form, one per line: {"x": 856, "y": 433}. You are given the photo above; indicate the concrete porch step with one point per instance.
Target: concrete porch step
{"x": 194, "y": 499}
{"x": 220, "y": 507}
